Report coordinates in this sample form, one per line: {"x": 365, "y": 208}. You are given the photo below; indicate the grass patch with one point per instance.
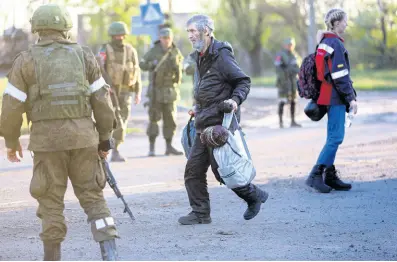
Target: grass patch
{"x": 362, "y": 80}
{"x": 268, "y": 80}
{"x": 134, "y": 130}
{"x": 374, "y": 79}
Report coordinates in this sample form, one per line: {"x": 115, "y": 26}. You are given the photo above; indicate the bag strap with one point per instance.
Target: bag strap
{"x": 188, "y": 131}
{"x": 227, "y": 121}
{"x": 242, "y": 135}
{"x": 162, "y": 60}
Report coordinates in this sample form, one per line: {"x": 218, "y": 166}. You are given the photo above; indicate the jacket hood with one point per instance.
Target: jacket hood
{"x": 324, "y": 33}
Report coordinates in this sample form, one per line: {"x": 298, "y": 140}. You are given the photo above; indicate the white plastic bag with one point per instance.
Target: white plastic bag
{"x": 234, "y": 161}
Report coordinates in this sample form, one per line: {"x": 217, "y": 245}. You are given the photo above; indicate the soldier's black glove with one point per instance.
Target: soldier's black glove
{"x": 106, "y": 145}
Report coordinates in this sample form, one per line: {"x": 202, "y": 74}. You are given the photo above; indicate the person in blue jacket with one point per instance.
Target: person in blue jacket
{"x": 338, "y": 94}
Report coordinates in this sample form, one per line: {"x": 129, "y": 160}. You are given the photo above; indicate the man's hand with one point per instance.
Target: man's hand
{"x": 103, "y": 154}
{"x": 353, "y": 106}
{"x": 192, "y": 111}
{"x": 12, "y": 154}
{"x": 138, "y": 98}
{"x": 104, "y": 147}
{"x": 231, "y": 103}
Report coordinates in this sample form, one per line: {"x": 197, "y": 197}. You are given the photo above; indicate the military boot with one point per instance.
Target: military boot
{"x": 108, "y": 250}
{"x": 152, "y": 141}
{"x": 170, "y": 150}
{"x": 315, "y": 179}
{"x": 52, "y": 251}
{"x": 194, "y": 218}
{"x": 293, "y": 123}
{"x": 254, "y": 197}
{"x": 332, "y": 179}
{"x": 280, "y": 114}
{"x": 116, "y": 157}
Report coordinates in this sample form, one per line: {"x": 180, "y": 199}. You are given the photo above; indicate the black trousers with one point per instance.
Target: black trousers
{"x": 200, "y": 159}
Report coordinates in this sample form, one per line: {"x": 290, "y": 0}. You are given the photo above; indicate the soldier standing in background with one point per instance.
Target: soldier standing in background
{"x": 164, "y": 62}
{"x": 59, "y": 85}
{"x": 287, "y": 69}
{"x": 119, "y": 61}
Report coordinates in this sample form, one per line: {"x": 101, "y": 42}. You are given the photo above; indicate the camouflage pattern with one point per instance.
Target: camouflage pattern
{"x": 120, "y": 67}
{"x": 287, "y": 69}
{"x": 164, "y": 88}
{"x": 51, "y": 16}
{"x": 59, "y": 96}
{"x": 62, "y": 147}
{"x": 118, "y": 28}
{"x": 48, "y": 187}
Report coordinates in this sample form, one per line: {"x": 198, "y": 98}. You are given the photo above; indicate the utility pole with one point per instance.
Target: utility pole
{"x": 170, "y": 12}
{"x": 311, "y": 36}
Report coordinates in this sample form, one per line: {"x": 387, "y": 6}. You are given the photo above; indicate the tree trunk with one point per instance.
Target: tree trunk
{"x": 255, "y": 56}
{"x": 383, "y": 11}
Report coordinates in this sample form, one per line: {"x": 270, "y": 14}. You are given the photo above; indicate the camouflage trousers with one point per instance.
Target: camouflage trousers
{"x": 125, "y": 101}
{"x": 166, "y": 111}
{"x": 48, "y": 186}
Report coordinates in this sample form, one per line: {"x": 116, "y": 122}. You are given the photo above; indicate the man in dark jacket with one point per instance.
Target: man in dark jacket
{"x": 218, "y": 81}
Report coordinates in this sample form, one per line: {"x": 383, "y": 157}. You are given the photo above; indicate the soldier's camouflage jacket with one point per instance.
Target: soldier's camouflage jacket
{"x": 58, "y": 99}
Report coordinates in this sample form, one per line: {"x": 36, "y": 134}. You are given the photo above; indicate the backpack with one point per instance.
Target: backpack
{"x": 308, "y": 84}
{"x": 234, "y": 161}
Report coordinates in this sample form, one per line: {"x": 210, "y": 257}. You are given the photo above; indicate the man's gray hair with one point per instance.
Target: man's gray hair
{"x": 202, "y": 22}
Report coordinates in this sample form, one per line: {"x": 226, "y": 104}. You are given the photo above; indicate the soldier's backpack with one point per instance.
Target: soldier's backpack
{"x": 308, "y": 84}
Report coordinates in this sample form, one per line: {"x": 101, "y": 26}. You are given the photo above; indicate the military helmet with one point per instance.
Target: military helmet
{"x": 289, "y": 41}
{"x": 166, "y": 32}
{"x": 118, "y": 28}
{"x": 51, "y": 16}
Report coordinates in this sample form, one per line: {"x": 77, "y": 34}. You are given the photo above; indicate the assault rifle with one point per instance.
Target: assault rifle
{"x": 113, "y": 184}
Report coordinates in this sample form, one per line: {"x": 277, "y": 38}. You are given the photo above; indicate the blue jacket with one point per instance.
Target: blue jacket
{"x": 333, "y": 70}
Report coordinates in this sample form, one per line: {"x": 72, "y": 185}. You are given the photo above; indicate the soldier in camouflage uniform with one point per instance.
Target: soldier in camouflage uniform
{"x": 287, "y": 68}
{"x": 164, "y": 62}
{"x": 59, "y": 85}
{"x": 119, "y": 61}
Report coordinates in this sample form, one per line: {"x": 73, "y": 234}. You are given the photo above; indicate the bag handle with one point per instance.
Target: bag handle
{"x": 226, "y": 123}
{"x": 188, "y": 131}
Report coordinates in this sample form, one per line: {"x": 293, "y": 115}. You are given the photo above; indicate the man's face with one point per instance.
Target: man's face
{"x": 289, "y": 47}
{"x": 166, "y": 41}
{"x": 196, "y": 37}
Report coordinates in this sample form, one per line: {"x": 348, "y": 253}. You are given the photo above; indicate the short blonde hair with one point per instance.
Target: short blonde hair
{"x": 333, "y": 15}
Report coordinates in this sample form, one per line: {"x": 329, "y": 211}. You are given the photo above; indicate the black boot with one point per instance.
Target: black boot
{"x": 280, "y": 113}
{"x": 315, "y": 179}
{"x": 293, "y": 123}
{"x": 332, "y": 179}
{"x": 170, "y": 150}
{"x": 52, "y": 251}
{"x": 194, "y": 218}
{"x": 108, "y": 250}
{"x": 254, "y": 197}
{"x": 152, "y": 140}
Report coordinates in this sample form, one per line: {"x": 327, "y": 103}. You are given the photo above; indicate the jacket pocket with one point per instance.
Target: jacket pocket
{"x": 100, "y": 177}
{"x": 40, "y": 183}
